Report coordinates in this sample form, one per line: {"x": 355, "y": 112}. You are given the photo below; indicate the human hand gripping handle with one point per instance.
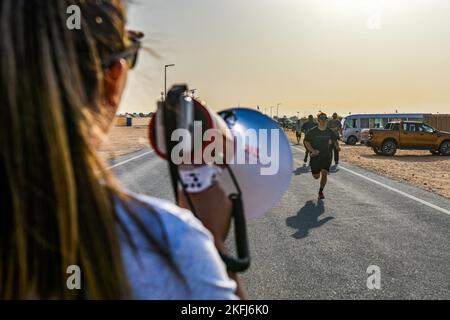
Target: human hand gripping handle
{"x": 202, "y": 180}
{"x": 214, "y": 209}
{"x": 212, "y": 206}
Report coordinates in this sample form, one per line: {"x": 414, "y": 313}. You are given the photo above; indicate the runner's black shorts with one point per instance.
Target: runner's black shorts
{"x": 320, "y": 163}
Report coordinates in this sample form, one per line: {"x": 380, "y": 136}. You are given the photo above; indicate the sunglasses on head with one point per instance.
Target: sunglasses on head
{"x": 130, "y": 54}
{"x": 323, "y": 118}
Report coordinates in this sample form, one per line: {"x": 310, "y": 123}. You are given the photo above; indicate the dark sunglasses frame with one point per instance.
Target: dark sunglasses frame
{"x": 130, "y": 54}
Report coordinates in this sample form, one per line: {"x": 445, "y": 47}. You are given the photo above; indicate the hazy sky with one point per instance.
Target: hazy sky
{"x": 334, "y": 55}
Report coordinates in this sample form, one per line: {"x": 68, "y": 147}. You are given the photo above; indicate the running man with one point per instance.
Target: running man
{"x": 335, "y": 125}
{"x": 305, "y": 129}
{"x": 319, "y": 141}
{"x": 298, "y": 131}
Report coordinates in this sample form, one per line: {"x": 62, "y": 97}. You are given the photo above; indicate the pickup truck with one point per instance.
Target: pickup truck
{"x": 408, "y": 135}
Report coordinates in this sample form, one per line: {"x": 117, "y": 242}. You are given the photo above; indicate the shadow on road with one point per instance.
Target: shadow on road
{"x": 334, "y": 169}
{"x": 307, "y": 218}
{"x": 302, "y": 170}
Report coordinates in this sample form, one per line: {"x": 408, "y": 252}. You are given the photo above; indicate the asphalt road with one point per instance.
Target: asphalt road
{"x": 310, "y": 249}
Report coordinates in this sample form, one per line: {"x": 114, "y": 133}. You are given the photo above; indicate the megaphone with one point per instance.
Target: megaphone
{"x": 253, "y": 146}
{"x": 185, "y": 131}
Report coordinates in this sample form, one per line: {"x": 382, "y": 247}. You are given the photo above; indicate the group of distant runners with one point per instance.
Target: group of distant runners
{"x": 321, "y": 142}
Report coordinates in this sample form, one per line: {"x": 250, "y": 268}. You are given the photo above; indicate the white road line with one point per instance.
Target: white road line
{"x": 407, "y": 195}
{"x": 129, "y": 160}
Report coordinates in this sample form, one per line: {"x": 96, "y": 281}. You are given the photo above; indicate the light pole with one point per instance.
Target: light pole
{"x": 278, "y": 106}
{"x": 271, "y": 112}
{"x": 165, "y": 79}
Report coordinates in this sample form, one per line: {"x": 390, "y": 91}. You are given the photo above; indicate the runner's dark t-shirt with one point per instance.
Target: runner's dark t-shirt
{"x": 321, "y": 140}
{"x": 308, "y": 126}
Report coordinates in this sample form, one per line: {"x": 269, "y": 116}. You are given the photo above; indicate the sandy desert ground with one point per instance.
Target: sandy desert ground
{"x": 124, "y": 140}
{"x": 419, "y": 168}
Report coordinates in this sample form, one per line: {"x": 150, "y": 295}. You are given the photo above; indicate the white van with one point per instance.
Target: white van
{"x": 352, "y": 125}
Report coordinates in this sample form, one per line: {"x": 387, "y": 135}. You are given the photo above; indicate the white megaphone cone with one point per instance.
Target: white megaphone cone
{"x": 266, "y": 174}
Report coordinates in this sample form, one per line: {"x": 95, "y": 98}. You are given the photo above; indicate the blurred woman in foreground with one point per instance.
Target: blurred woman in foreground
{"x": 59, "y": 206}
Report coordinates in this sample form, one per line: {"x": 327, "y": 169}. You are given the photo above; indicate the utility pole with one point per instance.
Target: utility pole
{"x": 165, "y": 79}
{"x": 278, "y": 106}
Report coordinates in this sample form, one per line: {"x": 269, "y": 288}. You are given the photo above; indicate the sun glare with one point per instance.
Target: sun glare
{"x": 367, "y": 13}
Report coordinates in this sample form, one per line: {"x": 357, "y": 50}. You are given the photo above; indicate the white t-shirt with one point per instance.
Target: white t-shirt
{"x": 199, "y": 272}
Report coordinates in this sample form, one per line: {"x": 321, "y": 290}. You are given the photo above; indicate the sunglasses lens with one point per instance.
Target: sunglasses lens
{"x": 135, "y": 59}
{"x": 130, "y": 54}
{"x": 132, "y": 59}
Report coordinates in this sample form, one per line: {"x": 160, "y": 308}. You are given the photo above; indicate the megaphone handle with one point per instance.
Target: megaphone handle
{"x": 242, "y": 262}
{"x": 170, "y": 124}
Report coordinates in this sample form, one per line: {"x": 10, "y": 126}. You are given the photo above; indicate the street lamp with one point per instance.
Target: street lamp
{"x": 165, "y": 79}
{"x": 271, "y": 113}
{"x": 278, "y": 106}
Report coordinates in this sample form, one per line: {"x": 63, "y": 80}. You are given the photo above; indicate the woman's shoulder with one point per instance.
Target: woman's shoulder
{"x": 171, "y": 225}
{"x": 189, "y": 244}
{"x": 168, "y": 212}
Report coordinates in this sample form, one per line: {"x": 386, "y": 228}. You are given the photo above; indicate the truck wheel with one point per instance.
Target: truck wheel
{"x": 389, "y": 148}
{"x": 352, "y": 140}
{"x": 435, "y": 152}
{"x": 445, "y": 148}
{"x": 377, "y": 151}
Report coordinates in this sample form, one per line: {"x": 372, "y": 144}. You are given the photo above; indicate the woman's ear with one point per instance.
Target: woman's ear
{"x": 114, "y": 84}
{"x": 115, "y": 79}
